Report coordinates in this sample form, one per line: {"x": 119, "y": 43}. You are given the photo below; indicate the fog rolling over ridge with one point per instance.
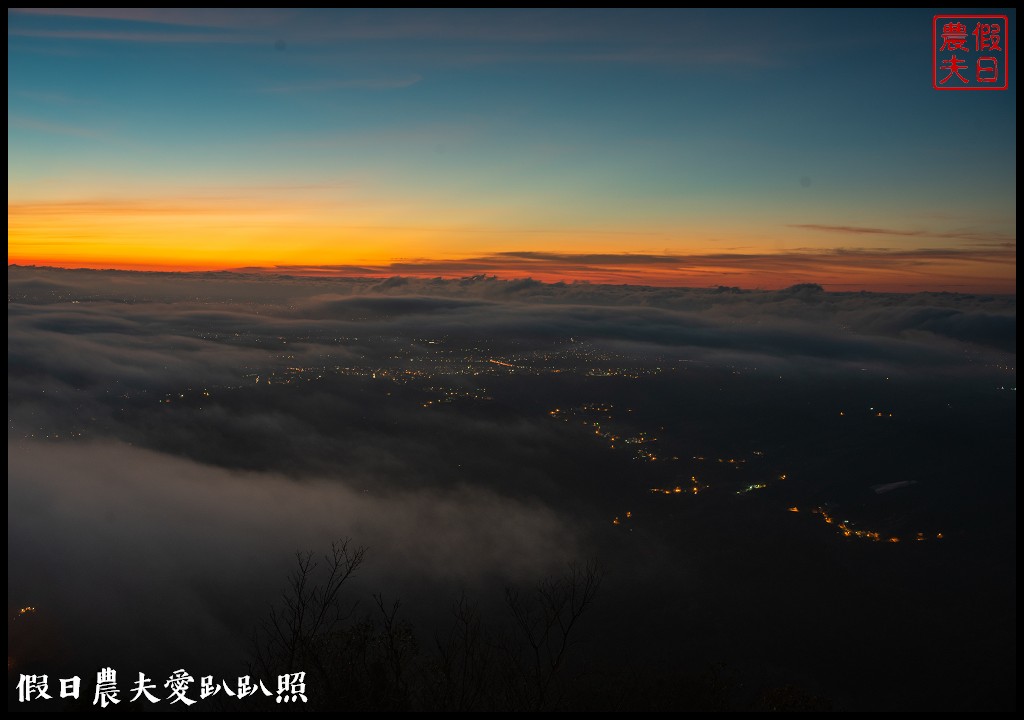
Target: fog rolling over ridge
{"x": 173, "y": 439}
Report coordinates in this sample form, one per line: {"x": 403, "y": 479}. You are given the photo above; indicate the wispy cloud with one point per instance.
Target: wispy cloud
{"x": 21, "y": 122}
{"x": 120, "y": 208}
{"x": 46, "y": 98}
{"x": 145, "y": 25}
{"x": 187, "y": 17}
{"x": 353, "y": 84}
{"x": 860, "y": 230}
{"x": 593, "y": 258}
{"x": 448, "y": 36}
{"x": 490, "y": 25}
{"x": 134, "y": 36}
{"x": 957, "y": 235}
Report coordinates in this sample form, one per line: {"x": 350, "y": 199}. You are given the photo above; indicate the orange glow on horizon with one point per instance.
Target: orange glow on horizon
{"x": 289, "y": 236}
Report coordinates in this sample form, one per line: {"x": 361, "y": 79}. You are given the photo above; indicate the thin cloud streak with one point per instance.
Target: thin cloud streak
{"x": 355, "y": 84}
{"x": 922, "y": 268}
{"x": 185, "y": 17}
{"x": 510, "y": 36}
{"x": 52, "y": 128}
{"x": 139, "y": 37}
{"x": 856, "y": 230}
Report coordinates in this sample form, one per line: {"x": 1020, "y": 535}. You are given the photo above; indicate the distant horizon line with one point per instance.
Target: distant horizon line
{"x": 328, "y": 272}
{"x": 984, "y": 268}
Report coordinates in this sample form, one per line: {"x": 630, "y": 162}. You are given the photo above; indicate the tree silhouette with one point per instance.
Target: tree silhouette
{"x": 374, "y": 662}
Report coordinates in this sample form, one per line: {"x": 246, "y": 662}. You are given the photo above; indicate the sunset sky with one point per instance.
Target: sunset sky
{"x": 758, "y": 149}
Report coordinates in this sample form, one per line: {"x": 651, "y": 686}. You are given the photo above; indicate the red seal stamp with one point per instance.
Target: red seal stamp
{"x": 970, "y": 51}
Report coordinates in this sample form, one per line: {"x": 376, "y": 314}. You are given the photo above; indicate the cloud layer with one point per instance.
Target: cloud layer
{"x": 174, "y": 438}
